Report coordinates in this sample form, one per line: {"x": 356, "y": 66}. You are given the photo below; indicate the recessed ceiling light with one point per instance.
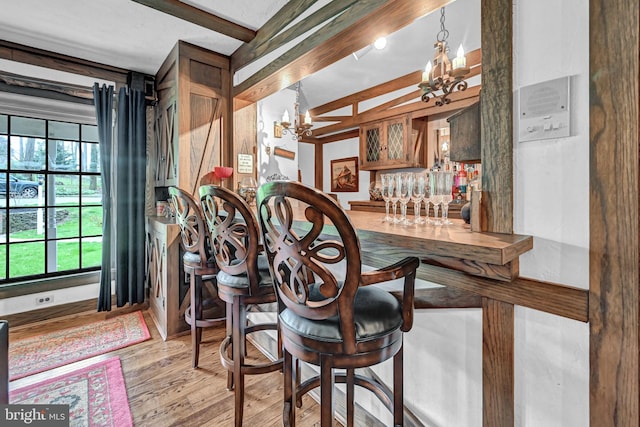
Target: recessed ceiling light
{"x": 380, "y": 43}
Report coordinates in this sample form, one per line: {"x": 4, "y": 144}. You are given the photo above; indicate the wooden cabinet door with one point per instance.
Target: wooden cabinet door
{"x": 371, "y": 146}
{"x": 384, "y": 145}
{"x": 166, "y": 137}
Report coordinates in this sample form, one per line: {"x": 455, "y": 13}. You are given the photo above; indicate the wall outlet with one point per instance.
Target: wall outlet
{"x": 44, "y": 299}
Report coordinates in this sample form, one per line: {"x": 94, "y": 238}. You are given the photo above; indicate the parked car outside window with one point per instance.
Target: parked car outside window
{"x": 19, "y": 187}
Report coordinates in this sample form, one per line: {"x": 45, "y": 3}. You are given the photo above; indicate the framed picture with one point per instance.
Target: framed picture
{"x": 344, "y": 175}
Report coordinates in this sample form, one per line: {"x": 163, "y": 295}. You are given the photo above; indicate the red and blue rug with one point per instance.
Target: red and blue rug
{"x": 43, "y": 352}
{"x": 96, "y": 395}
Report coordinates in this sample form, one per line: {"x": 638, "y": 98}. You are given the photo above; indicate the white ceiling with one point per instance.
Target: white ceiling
{"x": 129, "y": 35}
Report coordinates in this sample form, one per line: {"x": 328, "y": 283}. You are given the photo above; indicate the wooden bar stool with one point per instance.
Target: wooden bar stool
{"x": 199, "y": 267}
{"x": 243, "y": 280}
{"x": 329, "y": 321}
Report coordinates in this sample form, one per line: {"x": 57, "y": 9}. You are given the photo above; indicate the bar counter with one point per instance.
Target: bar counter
{"x": 454, "y": 246}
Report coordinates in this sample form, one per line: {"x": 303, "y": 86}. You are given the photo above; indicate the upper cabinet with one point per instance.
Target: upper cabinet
{"x": 465, "y": 135}
{"x": 398, "y": 142}
{"x": 192, "y": 116}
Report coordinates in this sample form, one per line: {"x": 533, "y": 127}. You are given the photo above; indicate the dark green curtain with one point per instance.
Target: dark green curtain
{"x": 130, "y": 173}
{"x": 103, "y": 100}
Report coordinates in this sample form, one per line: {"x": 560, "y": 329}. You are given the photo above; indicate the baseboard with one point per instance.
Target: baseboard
{"x": 61, "y": 310}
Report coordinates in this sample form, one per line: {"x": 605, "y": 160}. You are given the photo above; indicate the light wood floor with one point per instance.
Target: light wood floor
{"x": 164, "y": 390}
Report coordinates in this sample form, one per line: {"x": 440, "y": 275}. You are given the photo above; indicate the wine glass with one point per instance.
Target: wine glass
{"x": 417, "y": 196}
{"x": 447, "y": 196}
{"x": 436, "y": 196}
{"x": 404, "y": 191}
{"x": 394, "y": 195}
{"x": 386, "y": 195}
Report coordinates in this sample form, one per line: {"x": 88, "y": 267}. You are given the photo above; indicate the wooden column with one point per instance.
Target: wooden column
{"x": 319, "y": 161}
{"x": 497, "y": 202}
{"x": 497, "y": 363}
{"x": 614, "y": 50}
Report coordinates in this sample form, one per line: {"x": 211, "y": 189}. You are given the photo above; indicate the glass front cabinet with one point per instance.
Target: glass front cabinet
{"x": 397, "y": 142}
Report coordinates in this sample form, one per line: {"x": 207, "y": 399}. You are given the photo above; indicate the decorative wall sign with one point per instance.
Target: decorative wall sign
{"x": 284, "y": 153}
{"x": 245, "y": 163}
{"x": 344, "y": 175}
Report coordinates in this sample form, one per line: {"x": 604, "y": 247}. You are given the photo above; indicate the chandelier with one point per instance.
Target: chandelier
{"x": 296, "y": 129}
{"x": 443, "y": 75}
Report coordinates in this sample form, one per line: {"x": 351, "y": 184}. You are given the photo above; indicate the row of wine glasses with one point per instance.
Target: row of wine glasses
{"x": 428, "y": 187}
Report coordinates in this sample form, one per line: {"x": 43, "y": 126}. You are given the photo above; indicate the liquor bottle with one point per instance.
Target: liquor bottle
{"x": 462, "y": 181}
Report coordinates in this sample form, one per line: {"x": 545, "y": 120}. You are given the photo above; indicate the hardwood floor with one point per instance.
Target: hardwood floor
{"x": 164, "y": 390}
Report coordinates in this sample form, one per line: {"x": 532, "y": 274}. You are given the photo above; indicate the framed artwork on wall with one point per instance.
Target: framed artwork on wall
{"x": 344, "y": 175}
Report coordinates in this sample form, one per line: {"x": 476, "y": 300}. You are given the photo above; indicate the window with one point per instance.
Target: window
{"x": 50, "y": 198}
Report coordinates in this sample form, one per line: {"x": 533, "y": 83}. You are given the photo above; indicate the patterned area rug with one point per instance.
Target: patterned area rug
{"x": 96, "y": 395}
{"x": 40, "y": 353}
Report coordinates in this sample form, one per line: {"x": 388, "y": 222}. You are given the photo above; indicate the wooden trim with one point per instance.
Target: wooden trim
{"x": 497, "y": 364}
{"x": 349, "y": 32}
{"x": 200, "y": 17}
{"x": 68, "y": 309}
{"x": 443, "y": 297}
{"x": 319, "y": 162}
{"x": 561, "y": 300}
{"x": 43, "y": 58}
{"x": 261, "y": 46}
{"x": 614, "y": 246}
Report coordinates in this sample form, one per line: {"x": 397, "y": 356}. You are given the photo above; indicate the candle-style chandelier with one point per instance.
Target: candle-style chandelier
{"x": 443, "y": 75}
{"x": 296, "y": 129}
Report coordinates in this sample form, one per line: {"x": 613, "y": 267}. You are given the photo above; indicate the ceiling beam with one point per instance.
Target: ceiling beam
{"x": 354, "y": 29}
{"x": 261, "y": 45}
{"x": 200, "y": 17}
{"x": 417, "y": 109}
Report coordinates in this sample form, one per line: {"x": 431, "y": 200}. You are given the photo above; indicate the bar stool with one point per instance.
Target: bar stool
{"x": 243, "y": 280}
{"x": 330, "y": 321}
{"x": 199, "y": 267}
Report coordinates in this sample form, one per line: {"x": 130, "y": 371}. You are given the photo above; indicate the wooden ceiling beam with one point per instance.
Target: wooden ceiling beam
{"x": 372, "y": 92}
{"x": 354, "y": 29}
{"x": 417, "y": 109}
{"x": 265, "y": 43}
{"x": 200, "y": 17}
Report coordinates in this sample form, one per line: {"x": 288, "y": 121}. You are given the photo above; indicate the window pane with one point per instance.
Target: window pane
{"x": 65, "y": 190}
{"x": 90, "y": 157}
{"x": 66, "y": 222}
{"x": 24, "y": 188}
{"x": 68, "y": 254}
{"x": 3, "y": 262}
{"x": 62, "y": 130}
{"x": 26, "y": 224}
{"x": 4, "y": 152}
{"x": 92, "y": 221}
{"x": 27, "y": 127}
{"x": 27, "y": 153}
{"x": 19, "y": 252}
{"x": 90, "y": 133}
{"x": 64, "y": 155}
{"x": 91, "y": 190}
{"x": 4, "y": 124}
{"x": 92, "y": 252}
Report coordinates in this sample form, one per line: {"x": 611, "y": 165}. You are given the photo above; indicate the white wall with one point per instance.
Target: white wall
{"x": 551, "y": 196}
{"x": 339, "y": 150}
{"x": 270, "y": 110}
